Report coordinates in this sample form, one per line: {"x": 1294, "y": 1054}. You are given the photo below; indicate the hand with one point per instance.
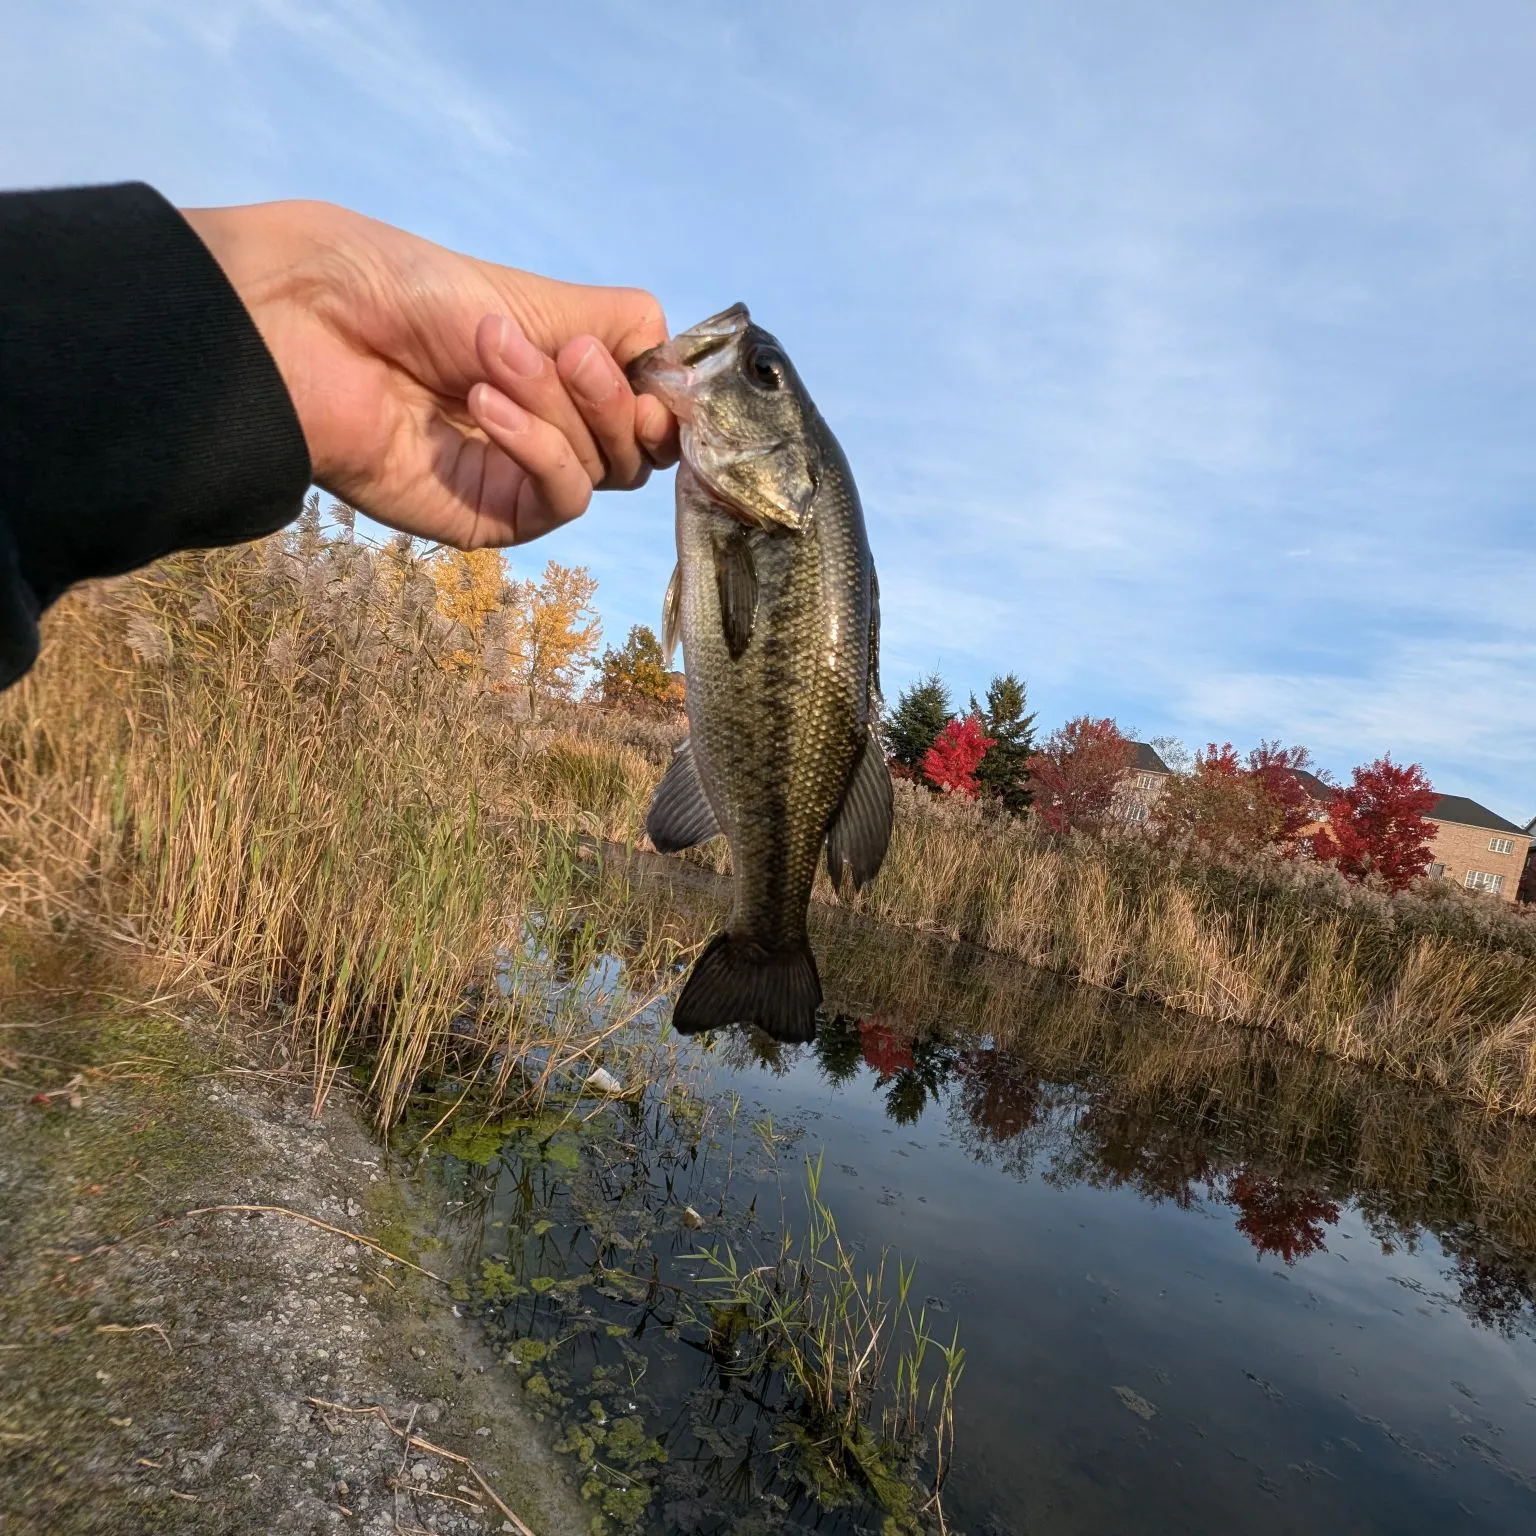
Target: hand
{"x": 447, "y": 397}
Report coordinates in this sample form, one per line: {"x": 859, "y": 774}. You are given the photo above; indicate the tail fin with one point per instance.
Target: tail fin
{"x": 737, "y": 981}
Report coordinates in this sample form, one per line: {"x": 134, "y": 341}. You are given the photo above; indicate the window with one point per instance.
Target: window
{"x": 1501, "y": 845}
{"x": 1481, "y": 880}
{"x": 1135, "y": 812}
{"x": 1146, "y": 780}
{"x": 1436, "y": 871}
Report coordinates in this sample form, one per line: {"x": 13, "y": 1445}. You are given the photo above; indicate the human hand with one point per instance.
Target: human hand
{"x": 451, "y": 398}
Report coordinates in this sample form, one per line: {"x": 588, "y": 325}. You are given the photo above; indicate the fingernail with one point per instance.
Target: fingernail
{"x": 594, "y": 377}
{"x": 500, "y": 411}
{"x": 517, "y": 352}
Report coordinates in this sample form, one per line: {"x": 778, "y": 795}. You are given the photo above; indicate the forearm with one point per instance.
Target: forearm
{"x": 140, "y": 411}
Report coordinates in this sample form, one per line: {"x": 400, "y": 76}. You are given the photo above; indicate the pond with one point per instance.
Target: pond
{"x": 1200, "y": 1279}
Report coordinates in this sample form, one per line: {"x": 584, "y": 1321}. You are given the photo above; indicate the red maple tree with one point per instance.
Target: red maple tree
{"x": 1241, "y": 807}
{"x": 1376, "y": 824}
{"x": 950, "y": 764}
{"x": 1075, "y": 775}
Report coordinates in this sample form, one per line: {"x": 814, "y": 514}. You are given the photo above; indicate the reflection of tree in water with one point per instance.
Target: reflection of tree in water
{"x": 916, "y": 1069}
{"x": 1284, "y": 1140}
{"x": 839, "y": 1048}
{"x": 1281, "y": 1218}
{"x": 999, "y": 1098}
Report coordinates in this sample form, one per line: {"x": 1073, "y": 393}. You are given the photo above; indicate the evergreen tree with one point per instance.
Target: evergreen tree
{"x": 1002, "y": 773}
{"x": 921, "y": 712}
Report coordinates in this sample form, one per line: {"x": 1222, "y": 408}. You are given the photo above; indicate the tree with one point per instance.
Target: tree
{"x": 921, "y": 712}
{"x": 558, "y": 632}
{"x": 1276, "y": 770}
{"x": 950, "y": 764}
{"x": 1376, "y": 825}
{"x": 1239, "y": 806}
{"x": 1075, "y": 775}
{"x": 635, "y": 676}
{"x": 1002, "y": 773}
{"x": 470, "y": 586}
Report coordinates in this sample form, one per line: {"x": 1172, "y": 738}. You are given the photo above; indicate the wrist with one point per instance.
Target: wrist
{"x": 267, "y": 252}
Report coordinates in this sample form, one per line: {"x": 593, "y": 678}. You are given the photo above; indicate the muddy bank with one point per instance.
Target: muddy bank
{"x": 168, "y": 1372}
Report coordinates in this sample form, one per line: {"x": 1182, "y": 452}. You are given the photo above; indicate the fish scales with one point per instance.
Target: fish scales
{"x": 776, "y": 606}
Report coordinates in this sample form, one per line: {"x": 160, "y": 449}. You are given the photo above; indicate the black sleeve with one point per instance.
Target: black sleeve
{"x": 140, "y": 411}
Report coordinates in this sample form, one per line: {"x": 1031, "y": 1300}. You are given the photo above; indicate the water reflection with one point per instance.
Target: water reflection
{"x": 1104, "y": 1195}
{"x": 1088, "y": 1089}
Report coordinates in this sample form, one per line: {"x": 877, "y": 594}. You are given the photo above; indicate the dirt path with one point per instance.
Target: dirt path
{"x": 164, "y": 1372}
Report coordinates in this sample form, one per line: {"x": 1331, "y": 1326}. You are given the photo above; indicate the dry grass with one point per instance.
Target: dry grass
{"x": 271, "y": 765}
{"x": 259, "y": 764}
{"x": 1433, "y": 986}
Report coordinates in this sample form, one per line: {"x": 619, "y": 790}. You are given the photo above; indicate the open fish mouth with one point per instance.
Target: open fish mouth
{"x": 679, "y": 368}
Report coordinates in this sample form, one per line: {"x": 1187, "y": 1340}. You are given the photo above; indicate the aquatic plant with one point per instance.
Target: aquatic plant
{"x": 853, "y": 1354}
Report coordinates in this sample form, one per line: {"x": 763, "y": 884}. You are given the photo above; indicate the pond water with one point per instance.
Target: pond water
{"x": 1200, "y": 1279}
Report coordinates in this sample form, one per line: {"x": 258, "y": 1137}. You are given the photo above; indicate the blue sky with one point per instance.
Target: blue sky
{"x": 1186, "y": 355}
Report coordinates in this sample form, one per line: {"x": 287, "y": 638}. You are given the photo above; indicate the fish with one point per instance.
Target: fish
{"x": 777, "y": 607}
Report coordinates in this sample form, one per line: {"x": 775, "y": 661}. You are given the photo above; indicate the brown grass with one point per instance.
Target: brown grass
{"x": 258, "y": 764}
{"x": 272, "y": 766}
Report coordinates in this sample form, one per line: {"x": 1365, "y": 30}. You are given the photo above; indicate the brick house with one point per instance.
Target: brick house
{"x": 1477, "y": 848}
{"x": 1142, "y": 785}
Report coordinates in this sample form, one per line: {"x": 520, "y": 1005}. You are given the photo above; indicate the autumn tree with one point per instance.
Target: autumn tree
{"x": 1377, "y": 826}
{"x": 557, "y": 632}
{"x": 635, "y": 676}
{"x": 1002, "y": 773}
{"x": 471, "y": 585}
{"x": 1075, "y": 775}
{"x": 950, "y": 764}
{"x": 1278, "y": 771}
{"x": 1239, "y": 805}
{"x": 921, "y": 712}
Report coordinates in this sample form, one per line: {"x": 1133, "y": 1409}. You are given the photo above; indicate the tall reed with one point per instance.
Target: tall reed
{"x": 260, "y": 764}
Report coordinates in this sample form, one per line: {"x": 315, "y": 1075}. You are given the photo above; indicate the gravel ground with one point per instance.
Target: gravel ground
{"x": 170, "y": 1372}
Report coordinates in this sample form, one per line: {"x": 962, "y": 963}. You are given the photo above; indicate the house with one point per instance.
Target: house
{"x": 1143, "y": 784}
{"x": 1476, "y": 847}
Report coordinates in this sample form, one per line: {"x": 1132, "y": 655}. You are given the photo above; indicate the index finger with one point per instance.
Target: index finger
{"x": 628, "y": 321}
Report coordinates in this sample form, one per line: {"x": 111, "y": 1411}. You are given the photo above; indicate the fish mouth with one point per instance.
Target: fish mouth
{"x": 675, "y": 370}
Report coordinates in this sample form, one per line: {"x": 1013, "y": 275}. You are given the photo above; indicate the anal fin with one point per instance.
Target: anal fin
{"x": 861, "y": 830}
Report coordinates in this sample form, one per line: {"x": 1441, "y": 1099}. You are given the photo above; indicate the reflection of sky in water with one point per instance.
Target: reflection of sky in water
{"x": 1345, "y": 1392}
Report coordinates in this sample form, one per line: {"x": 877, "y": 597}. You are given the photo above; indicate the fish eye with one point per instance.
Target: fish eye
{"x": 765, "y": 366}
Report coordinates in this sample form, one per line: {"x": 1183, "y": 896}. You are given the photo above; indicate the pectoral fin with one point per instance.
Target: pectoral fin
{"x": 680, "y": 815}
{"x": 861, "y": 830}
{"x": 736, "y": 581}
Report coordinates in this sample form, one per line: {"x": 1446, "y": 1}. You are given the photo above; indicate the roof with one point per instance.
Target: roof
{"x": 1468, "y": 813}
{"x": 1147, "y": 761}
{"x": 1313, "y": 785}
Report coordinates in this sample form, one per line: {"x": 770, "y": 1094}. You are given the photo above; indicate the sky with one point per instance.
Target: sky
{"x": 1185, "y": 354}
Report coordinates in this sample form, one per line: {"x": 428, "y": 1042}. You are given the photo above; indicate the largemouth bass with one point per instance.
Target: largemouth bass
{"x": 775, "y": 601}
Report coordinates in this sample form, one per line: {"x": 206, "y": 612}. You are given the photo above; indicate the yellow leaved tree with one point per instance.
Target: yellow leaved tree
{"x": 557, "y": 633}
{"x": 471, "y": 586}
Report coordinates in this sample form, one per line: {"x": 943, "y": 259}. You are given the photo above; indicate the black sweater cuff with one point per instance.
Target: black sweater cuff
{"x": 140, "y": 411}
